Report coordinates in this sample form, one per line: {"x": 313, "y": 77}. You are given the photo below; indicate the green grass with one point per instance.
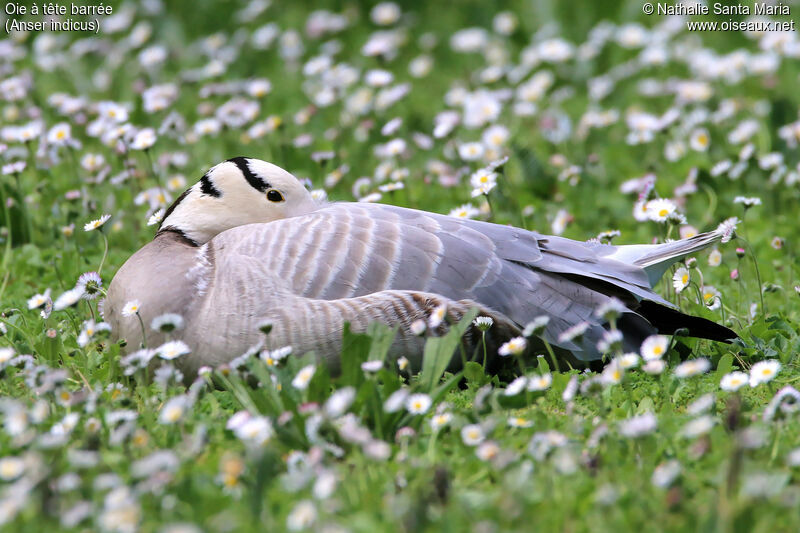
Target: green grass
{"x": 85, "y": 447}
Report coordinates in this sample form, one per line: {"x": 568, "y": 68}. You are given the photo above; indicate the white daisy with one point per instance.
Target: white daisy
{"x": 699, "y": 140}
{"x": 763, "y": 371}
{"x": 654, "y": 347}
{"x": 733, "y": 381}
{"x": 95, "y": 224}
{"x": 303, "y": 377}
{"x": 540, "y": 382}
{"x": 692, "y": 367}
{"x": 465, "y": 211}
{"x": 437, "y": 316}
{"x": 418, "y": 404}
{"x": 681, "y": 279}
{"x": 660, "y": 209}
{"x": 131, "y": 308}
{"x": 472, "y": 434}
{"x": 515, "y": 346}
{"x": 172, "y": 350}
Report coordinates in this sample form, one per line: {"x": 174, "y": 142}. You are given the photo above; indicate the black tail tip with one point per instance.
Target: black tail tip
{"x": 671, "y": 322}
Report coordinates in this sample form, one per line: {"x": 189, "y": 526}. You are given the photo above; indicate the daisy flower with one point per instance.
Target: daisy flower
{"x": 516, "y": 386}
{"x": 11, "y": 468}
{"x": 68, "y": 299}
{"x": 174, "y": 410}
{"x": 692, "y": 367}
{"x": 60, "y": 134}
{"x": 611, "y": 341}
{"x": 441, "y": 420}
{"x": 95, "y": 224}
{"x": 418, "y": 327}
{"x": 38, "y": 300}
{"x": 733, "y": 381}
{"x": 659, "y": 209}
{"x": 665, "y": 474}
{"x": 519, "y": 422}
{"x": 697, "y": 427}
{"x": 465, "y": 211}
{"x": 472, "y": 434}
{"x": 483, "y": 323}
{"x": 303, "y": 377}
{"x": 437, "y": 316}
{"x": 167, "y": 322}
{"x": 338, "y": 402}
{"x": 763, "y": 372}
{"x": 91, "y": 284}
{"x": 370, "y": 367}
{"x": 172, "y": 350}
{"x": 747, "y": 201}
{"x": 515, "y": 346}
{"x": 654, "y": 367}
{"x": 610, "y": 310}
{"x": 714, "y": 258}
{"x": 536, "y": 326}
{"x": 638, "y": 426}
{"x": 654, "y": 347}
{"x": 681, "y": 279}
{"x": 628, "y": 360}
{"x": 540, "y": 382}
{"x": 699, "y": 140}
{"x": 487, "y": 451}
{"x": 573, "y": 333}
{"x": 418, "y": 404}
{"x": 156, "y": 217}
{"x": 612, "y": 373}
{"x": 727, "y": 229}
{"x": 471, "y": 151}
{"x": 131, "y": 308}
{"x": 712, "y": 298}
{"x": 482, "y": 181}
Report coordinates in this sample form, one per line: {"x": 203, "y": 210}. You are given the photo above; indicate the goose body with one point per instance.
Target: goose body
{"x": 247, "y": 245}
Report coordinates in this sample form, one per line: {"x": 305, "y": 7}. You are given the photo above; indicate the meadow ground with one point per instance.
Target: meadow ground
{"x": 615, "y": 125}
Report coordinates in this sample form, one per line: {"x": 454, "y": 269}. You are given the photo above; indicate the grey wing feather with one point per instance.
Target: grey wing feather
{"x": 352, "y": 250}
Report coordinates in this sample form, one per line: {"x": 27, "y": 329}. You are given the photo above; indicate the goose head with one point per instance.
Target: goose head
{"x": 233, "y": 193}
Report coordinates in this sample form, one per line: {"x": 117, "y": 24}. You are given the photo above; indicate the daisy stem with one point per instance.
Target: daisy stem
{"x": 144, "y": 334}
{"x": 491, "y": 209}
{"x": 105, "y": 251}
{"x": 552, "y": 354}
{"x": 483, "y": 341}
{"x": 758, "y": 275}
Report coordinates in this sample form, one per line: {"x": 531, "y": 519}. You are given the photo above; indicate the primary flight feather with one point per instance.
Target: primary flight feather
{"x": 247, "y": 244}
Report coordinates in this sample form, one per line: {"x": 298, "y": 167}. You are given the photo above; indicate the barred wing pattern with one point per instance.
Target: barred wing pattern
{"x": 376, "y": 262}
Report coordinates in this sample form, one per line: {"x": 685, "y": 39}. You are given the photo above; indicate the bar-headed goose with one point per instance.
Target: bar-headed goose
{"x": 248, "y": 244}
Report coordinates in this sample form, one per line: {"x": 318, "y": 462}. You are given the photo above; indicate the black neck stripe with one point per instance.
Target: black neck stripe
{"x": 207, "y": 187}
{"x": 255, "y": 182}
{"x": 179, "y": 234}
{"x": 171, "y": 208}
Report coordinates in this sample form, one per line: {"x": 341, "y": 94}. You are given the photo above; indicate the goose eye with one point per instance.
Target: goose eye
{"x": 274, "y": 196}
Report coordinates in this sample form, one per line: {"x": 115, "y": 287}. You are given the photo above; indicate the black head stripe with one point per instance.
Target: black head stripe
{"x": 207, "y": 187}
{"x": 171, "y": 208}
{"x": 254, "y": 181}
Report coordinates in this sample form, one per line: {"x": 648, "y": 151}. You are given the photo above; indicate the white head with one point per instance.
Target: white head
{"x": 234, "y": 193}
